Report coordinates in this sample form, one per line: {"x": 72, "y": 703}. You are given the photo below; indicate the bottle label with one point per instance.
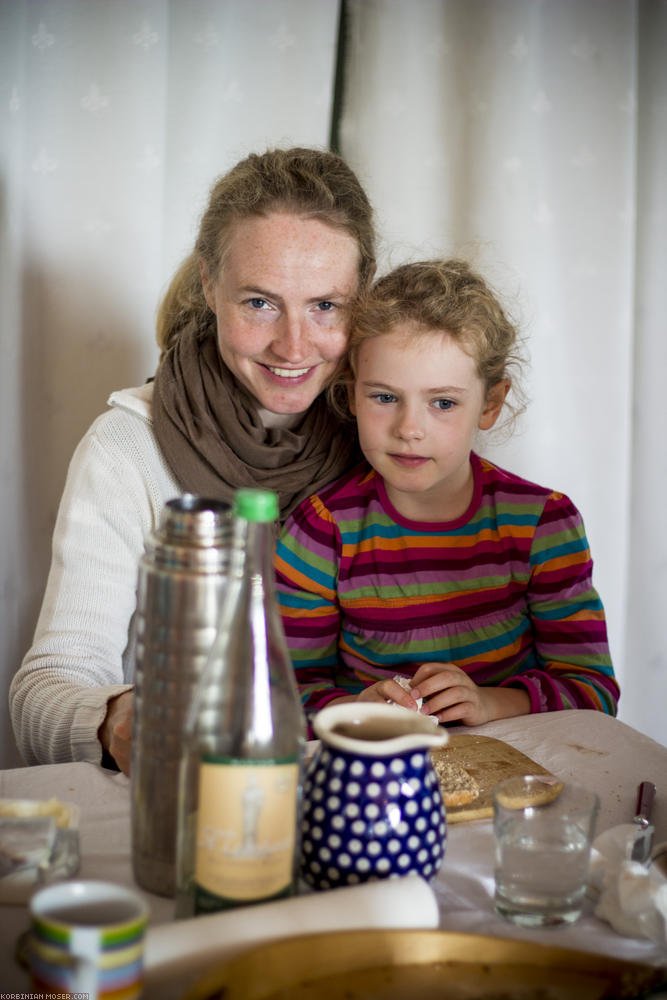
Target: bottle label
{"x": 246, "y": 829}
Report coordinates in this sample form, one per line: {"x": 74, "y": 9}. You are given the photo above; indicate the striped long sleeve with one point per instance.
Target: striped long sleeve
{"x": 505, "y": 593}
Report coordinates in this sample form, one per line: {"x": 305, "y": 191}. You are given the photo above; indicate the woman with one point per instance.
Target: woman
{"x": 251, "y": 330}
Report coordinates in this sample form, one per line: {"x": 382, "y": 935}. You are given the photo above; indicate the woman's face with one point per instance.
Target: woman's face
{"x": 281, "y": 302}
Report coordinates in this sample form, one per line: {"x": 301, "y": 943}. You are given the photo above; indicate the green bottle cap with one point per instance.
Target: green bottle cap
{"x": 256, "y": 505}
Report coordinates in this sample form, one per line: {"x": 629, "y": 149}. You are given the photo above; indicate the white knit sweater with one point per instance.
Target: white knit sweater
{"x": 117, "y": 485}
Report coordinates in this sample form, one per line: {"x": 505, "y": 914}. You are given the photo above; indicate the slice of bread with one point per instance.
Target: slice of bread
{"x": 539, "y": 793}
{"x": 457, "y": 785}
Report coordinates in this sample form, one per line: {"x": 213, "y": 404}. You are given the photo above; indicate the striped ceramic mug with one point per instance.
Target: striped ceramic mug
{"x": 87, "y": 938}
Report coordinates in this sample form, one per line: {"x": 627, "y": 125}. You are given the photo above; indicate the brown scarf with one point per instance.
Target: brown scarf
{"x": 208, "y": 428}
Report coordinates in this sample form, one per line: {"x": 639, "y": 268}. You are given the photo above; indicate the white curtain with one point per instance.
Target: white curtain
{"x": 530, "y": 135}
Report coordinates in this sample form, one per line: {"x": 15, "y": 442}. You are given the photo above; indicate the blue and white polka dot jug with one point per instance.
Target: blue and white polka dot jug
{"x": 372, "y": 802}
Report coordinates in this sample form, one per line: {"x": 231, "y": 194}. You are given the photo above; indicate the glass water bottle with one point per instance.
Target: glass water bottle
{"x": 240, "y": 777}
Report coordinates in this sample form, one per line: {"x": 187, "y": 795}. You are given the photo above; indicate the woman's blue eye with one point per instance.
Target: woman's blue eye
{"x": 257, "y": 303}
{"x": 384, "y": 397}
{"x": 325, "y": 306}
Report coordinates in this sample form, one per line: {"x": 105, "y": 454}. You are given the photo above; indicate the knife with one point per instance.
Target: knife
{"x": 641, "y": 847}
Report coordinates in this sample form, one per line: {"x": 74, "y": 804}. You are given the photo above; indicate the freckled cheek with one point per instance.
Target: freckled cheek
{"x": 244, "y": 343}
{"x": 332, "y": 345}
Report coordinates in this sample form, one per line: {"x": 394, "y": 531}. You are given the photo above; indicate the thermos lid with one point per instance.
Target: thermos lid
{"x": 256, "y": 505}
{"x": 194, "y": 534}
{"x": 196, "y": 520}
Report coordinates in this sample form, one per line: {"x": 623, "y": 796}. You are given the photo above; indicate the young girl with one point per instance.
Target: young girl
{"x": 428, "y": 561}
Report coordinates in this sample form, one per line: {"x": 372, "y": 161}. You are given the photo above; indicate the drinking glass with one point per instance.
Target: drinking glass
{"x": 543, "y": 833}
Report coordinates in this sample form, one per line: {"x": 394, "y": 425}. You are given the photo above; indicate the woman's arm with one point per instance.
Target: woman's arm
{"x": 77, "y": 663}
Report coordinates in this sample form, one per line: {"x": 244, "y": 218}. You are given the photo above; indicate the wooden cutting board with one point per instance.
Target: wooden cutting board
{"x": 489, "y": 761}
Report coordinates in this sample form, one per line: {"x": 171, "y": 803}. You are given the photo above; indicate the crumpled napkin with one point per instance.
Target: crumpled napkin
{"x": 630, "y": 896}
{"x": 406, "y": 685}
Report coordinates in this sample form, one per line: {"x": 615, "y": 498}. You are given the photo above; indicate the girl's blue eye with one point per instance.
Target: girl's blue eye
{"x": 444, "y": 404}
{"x": 384, "y": 397}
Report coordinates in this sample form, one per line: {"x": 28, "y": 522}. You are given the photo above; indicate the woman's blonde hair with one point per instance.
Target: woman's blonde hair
{"x": 442, "y": 295}
{"x": 312, "y": 183}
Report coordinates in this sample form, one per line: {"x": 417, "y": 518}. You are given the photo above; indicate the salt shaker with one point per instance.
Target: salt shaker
{"x": 181, "y": 580}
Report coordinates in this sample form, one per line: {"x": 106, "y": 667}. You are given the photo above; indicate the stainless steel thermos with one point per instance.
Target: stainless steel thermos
{"x": 181, "y": 579}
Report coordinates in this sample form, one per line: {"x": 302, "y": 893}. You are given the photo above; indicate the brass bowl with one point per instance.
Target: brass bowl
{"x": 430, "y": 965}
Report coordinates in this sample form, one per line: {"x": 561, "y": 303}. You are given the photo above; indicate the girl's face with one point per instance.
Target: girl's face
{"x": 281, "y": 305}
{"x": 419, "y": 401}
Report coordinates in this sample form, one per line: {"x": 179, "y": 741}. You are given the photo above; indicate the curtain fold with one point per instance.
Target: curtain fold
{"x": 645, "y": 649}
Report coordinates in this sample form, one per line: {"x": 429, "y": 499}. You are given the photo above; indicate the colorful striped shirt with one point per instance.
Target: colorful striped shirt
{"x": 505, "y": 592}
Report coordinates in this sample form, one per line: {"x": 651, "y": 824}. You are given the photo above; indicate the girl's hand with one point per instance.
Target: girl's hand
{"x": 451, "y": 695}
{"x": 389, "y": 690}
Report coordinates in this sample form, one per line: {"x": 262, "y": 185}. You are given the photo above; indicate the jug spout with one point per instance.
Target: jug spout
{"x": 377, "y": 730}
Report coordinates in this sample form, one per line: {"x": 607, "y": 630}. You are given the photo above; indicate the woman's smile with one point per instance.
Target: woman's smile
{"x": 288, "y": 376}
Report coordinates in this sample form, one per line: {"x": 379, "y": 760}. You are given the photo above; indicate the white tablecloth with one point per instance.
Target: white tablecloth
{"x": 587, "y": 747}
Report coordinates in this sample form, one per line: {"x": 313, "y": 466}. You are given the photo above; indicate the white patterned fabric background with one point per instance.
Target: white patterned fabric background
{"x": 528, "y": 135}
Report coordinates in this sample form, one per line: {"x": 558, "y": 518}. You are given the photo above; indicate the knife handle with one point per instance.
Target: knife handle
{"x": 645, "y": 796}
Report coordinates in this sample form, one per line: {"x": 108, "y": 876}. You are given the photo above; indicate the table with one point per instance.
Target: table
{"x": 584, "y": 746}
